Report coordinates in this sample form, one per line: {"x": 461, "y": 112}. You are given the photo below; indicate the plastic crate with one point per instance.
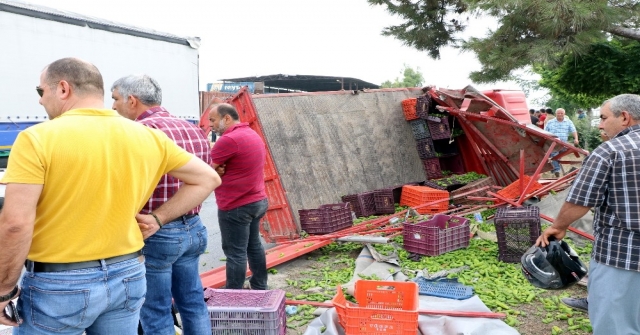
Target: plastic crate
{"x": 444, "y": 288}
{"x": 420, "y": 129}
{"x": 383, "y": 199}
{"x": 443, "y": 233}
{"x": 414, "y": 196}
{"x": 363, "y": 204}
{"x": 478, "y": 184}
{"x": 432, "y": 184}
{"x": 246, "y": 311}
{"x": 423, "y": 103}
{"x": 409, "y": 109}
{"x": 513, "y": 190}
{"x": 439, "y": 130}
{"x": 326, "y": 219}
{"x": 432, "y": 168}
{"x": 517, "y": 230}
{"x": 384, "y": 307}
{"x": 425, "y": 148}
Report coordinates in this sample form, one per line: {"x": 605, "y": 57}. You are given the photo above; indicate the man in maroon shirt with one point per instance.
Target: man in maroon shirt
{"x": 241, "y": 198}
{"x": 173, "y": 252}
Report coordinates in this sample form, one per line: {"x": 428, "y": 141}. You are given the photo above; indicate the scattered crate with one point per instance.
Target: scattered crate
{"x": 326, "y": 219}
{"x": 443, "y": 233}
{"x": 383, "y": 199}
{"x": 439, "y": 130}
{"x": 432, "y": 168}
{"x": 432, "y": 184}
{"x": 425, "y": 148}
{"x": 384, "y": 307}
{"x": 444, "y": 288}
{"x": 363, "y": 204}
{"x": 409, "y": 109}
{"x": 414, "y": 196}
{"x": 513, "y": 190}
{"x": 246, "y": 311}
{"x": 420, "y": 129}
{"x": 517, "y": 230}
{"x": 423, "y": 103}
{"x": 478, "y": 184}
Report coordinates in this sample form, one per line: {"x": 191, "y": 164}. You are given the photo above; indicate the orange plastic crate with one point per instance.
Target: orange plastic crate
{"x": 409, "y": 109}
{"x": 414, "y": 196}
{"x": 513, "y": 190}
{"x": 384, "y": 307}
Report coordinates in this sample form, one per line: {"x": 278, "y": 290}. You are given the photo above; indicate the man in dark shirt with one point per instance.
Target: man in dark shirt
{"x": 608, "y": 181}
{"x": 534, "y": 119}
{"x": 241, "y": 199}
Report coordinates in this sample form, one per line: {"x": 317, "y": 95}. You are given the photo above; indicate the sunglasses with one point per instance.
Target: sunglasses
{"x": 40, "y": 91}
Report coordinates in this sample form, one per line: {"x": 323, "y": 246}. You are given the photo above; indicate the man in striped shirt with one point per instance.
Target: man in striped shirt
{"x": 609, "y": 182}
{"x": 241, "y": 199}
{"x": 173, "y": 252}
{"x": 561, "y": 127}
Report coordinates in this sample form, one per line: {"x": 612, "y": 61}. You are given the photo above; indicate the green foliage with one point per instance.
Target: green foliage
{"x": 529, "y": 32}
{"x": 589, "y": 137}
{"x": 411, "y": 78}
{"x": 608, "y": 69}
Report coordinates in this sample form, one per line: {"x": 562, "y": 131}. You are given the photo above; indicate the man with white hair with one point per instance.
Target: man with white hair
{"x": 561, "y": 127}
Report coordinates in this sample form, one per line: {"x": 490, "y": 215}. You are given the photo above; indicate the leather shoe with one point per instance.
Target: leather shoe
{"x": 580, "y": 304}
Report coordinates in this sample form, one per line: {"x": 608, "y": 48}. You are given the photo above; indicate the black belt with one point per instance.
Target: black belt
{"x": 183, "y": 218}
{"x": 57, "y": 267}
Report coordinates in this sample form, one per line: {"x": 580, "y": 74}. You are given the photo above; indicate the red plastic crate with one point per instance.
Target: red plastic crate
{"x": 414, "y": 196}
{"x": 439, "y": 130}
{"x": 432, "y": 168}
{"x": 409, "y": 109}
{"x": 383, "y": 199}
{"x": 326, "y": 219}
{"x": 363, "y": 204}
{"x": 513, "y": 190}
{"x": 425, "y": 148}
{"x": 384, "y": 307}
{"x": 443, "y": 233}
{"x": 246, "y": 311}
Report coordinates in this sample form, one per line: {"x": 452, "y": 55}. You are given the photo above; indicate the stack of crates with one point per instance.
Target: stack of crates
{"x": 384, "y": 307}
{"x": 517, "y": 229}
{"x": 326, "y": 219}
{"x": 414, "y": 196}
{"x": 246, "y": 311}
{"x": 363, "y": 204}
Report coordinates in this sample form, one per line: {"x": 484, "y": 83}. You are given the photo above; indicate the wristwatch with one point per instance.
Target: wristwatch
{"x": 9, "y": 295}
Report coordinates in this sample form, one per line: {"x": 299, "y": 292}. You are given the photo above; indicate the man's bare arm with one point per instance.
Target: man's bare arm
{"x": 16, "y": 230}
{"x": 568, "y": 214}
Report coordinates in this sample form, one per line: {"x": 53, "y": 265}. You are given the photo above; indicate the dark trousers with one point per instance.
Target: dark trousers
{"x": 240, "y": 230}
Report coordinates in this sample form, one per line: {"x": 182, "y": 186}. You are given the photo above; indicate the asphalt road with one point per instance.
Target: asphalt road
{"x": 209, "y": 216}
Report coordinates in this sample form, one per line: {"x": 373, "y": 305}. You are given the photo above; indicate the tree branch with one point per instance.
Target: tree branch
{"x": 630, "y": 33}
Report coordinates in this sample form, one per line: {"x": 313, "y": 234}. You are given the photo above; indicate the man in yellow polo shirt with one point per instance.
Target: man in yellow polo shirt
{"x": 74, "y": 186}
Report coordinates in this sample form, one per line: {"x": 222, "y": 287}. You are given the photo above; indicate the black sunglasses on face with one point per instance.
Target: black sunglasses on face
{"x": 40, "y": 91}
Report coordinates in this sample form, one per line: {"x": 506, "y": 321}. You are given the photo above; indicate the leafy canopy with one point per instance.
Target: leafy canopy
{"x": 411, "y": 78}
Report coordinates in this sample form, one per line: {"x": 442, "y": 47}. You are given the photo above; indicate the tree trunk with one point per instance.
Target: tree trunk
{"x": 630, "y": 33}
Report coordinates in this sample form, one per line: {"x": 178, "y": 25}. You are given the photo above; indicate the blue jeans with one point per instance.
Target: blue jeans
{"x": 99, "y": 300}
{"x": 554, "y": 163}
{"x": 172, "y": 257}
{"x": 240, "y": 230}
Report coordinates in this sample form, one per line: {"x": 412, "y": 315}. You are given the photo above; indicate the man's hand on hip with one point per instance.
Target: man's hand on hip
{"x": 147, "y": 224}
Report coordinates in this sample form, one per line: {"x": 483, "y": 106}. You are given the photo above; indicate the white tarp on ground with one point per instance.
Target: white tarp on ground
{"x": 369, "y": 263}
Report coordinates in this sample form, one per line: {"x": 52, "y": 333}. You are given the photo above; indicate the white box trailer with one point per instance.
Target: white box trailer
{"x": 33, "y": 36}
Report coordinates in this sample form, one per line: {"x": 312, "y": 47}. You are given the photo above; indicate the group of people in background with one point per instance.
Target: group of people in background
{"x": 102, "y": 209}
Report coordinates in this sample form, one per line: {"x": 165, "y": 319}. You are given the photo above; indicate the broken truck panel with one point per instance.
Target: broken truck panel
{"x": 497, "y": 138}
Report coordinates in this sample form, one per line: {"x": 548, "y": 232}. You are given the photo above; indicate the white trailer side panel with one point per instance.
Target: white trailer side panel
{"x": 28, "y": 44}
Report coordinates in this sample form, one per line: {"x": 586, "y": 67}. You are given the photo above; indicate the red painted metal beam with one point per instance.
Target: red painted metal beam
{"x": 536, "y": 174}
{"x": 575, "y": 230}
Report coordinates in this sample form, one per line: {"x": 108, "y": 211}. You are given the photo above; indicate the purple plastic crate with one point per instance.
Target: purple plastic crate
{"x": 326, "y": 219}
{"x": 439, "y": 130}
{"x": 246, "y": 311}
{"x": 443, "y": 233}
{"x": 423, "y": 103}
{"x": 517, "y": 230}
{"x": 420, "y": 129}
{"x": 432, "y": 168}
{"x": 383, "y": 199}
{"x": 363, "y": 204}
{"x": 425, "y": 148}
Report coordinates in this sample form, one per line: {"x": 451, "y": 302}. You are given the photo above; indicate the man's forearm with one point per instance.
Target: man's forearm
{"x": 16, "y": 241}
{"x": 575, "y": 135}
{"x": 568, "y": 214}
{"x": 184, "y": 200}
